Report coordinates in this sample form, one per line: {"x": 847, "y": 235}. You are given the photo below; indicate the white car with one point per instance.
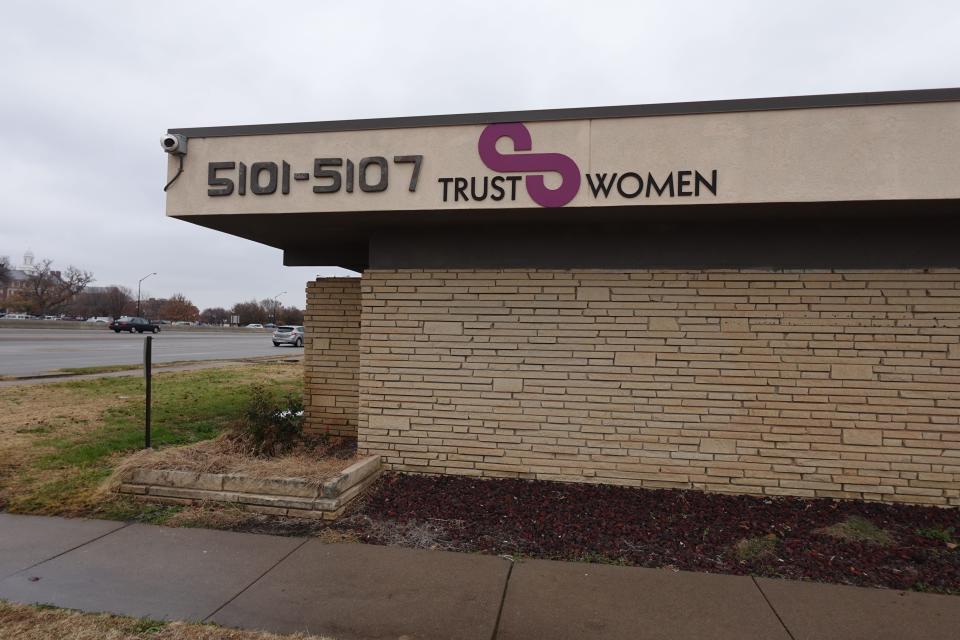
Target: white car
{"x": 255, "y": 325}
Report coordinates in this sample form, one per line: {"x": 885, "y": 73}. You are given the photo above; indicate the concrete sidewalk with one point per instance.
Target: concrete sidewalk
{"x": 353, "y": 591}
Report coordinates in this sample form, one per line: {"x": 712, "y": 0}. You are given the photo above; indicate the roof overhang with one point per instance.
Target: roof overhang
{"x": 322, "y": 190}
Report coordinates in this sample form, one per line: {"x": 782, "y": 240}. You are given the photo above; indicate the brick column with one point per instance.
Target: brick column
{"x": 332, "y": 356}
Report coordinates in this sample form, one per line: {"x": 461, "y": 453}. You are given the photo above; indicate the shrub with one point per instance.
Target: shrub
{"x": 271, "y": 427}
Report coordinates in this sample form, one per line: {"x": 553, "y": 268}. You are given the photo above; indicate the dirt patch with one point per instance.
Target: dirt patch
{"x": 687, "y": 530}
{"x": 41, "y": 623}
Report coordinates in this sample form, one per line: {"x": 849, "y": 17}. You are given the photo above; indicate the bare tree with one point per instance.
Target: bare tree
{"x": 4, "y": 278}
{"x": 48, "y": 290}
{"x": 214, "y": 315}
{"x": 4, "y": 272}
{"x": 118, "y": 300}
{"x": 250, "y": 312}
{"x": 177, "y": 307}
{"x": 153, "y": 308}
{"x": 291, "y": 315}
{"x": 110, "y": 301}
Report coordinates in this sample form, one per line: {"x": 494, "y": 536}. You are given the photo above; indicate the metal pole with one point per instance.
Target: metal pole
{"x": 276, "y": 303}
{"x": 147, "y": 374}
{"x": 138, "y": 290}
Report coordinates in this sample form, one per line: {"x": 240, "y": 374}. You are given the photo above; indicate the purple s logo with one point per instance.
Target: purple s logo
{"x": 530, "y": 162}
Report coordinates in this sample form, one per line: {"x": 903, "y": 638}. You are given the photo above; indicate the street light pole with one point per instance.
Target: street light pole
{"x": 138, "y": 290}
{"x": 276, "y": 303}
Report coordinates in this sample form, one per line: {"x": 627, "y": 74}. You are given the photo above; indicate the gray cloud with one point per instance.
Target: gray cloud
{"x": 88, "y": 88}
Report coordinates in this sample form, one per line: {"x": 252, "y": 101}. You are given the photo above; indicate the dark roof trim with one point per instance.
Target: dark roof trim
{"x": 585, "y": 113}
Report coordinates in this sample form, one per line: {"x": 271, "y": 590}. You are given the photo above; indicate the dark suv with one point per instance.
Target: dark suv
{"x": 134, "y": 324}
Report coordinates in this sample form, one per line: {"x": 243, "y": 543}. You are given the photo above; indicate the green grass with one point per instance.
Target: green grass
{"x": 947, "y": 535}
{"x": 187, "y": 407}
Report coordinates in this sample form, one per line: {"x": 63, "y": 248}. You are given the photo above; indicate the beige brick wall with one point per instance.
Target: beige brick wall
{"x": 813, "y": 383}
{"x": 332, "y": 356}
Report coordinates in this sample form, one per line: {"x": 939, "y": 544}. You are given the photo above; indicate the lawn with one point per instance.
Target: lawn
{"x": 59, "y": 442}
{"x": 41, "y": 623}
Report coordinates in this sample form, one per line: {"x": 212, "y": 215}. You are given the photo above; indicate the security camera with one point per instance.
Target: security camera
{"x": 174, "y": 143}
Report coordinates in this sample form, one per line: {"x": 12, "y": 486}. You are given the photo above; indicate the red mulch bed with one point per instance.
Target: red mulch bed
{"x": 687, "y": 530}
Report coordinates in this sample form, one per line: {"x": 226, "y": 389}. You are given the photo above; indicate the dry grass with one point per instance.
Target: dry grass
{"x": 858, "y": 529}
{"x": 211, "y": 516}
{"x": 35, "y": 623}
{"x": 58, "y": 442}
{"x": 33, "y": 411}
{"x": 753, "y": 549}
{"x": 232, "y": 518}
{"x": 423, "y": 534}
{"x": 228, "y": 453}
{"x": 33, "y": 415}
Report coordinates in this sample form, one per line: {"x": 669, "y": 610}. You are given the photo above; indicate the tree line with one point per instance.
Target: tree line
{"x": 48, "y": 291}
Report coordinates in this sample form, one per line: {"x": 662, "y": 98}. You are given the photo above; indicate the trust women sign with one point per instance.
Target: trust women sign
{"x": 452, "y": 163}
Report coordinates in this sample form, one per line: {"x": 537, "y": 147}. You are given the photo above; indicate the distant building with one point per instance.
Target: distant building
{"x": 28, "y": 267}
{"x": 18, "y": 277}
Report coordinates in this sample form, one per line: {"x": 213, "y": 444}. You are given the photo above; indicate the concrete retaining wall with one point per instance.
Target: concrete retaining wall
{"x": 274, "y": 496}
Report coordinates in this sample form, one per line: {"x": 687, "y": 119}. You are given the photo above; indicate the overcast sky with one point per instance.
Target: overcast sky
{"x": 87, "y": 89}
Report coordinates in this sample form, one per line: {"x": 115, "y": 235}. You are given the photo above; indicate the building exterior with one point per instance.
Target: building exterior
{"x": 751, "y": 296}
{"x": 17, "y": 279}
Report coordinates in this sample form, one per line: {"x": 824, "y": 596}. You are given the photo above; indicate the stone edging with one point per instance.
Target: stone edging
{"x": 274, "y": 496}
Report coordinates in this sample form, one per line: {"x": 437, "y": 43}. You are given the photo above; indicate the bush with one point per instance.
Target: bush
{"x": 271, "y": 427}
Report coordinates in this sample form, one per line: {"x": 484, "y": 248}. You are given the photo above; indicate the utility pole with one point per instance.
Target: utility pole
{"x": 276, "y": 303}
{"x": 138, "y": 289}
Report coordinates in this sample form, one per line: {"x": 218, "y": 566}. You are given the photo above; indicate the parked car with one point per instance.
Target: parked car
{"x": 288, "y": 335}
{"x": 100, "y": 320}
{"x": 255, "y": 325}
{"x": 134, "y": 324}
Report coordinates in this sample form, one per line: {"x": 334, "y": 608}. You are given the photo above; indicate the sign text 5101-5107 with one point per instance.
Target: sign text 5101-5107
{"x": 370, "y": 175}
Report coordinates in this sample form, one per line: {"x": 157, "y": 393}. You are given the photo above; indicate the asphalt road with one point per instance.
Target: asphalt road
{"x": 35, "y": 351}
